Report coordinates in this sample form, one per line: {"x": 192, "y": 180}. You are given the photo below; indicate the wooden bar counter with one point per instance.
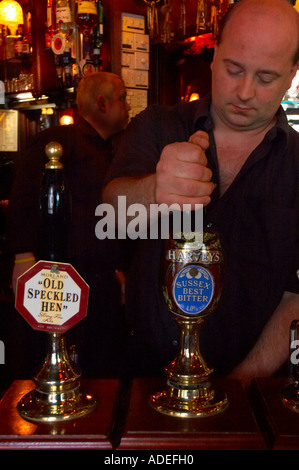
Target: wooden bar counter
{"x": 233, "y": 429}
{"x": 88, "y": 432}
{"x": 279, "y": 423}
{"x": 125, "y": 420}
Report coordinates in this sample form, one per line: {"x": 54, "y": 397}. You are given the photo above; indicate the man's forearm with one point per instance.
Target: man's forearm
{"x": 272, "y": 348}
{"x": 139, "y": 190}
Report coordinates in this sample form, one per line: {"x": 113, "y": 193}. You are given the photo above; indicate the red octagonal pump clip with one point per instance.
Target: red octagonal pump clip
{"x": 52, "y": 296}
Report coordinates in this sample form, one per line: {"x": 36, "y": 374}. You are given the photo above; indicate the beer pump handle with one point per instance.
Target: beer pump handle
{"x": 55, "y": 206}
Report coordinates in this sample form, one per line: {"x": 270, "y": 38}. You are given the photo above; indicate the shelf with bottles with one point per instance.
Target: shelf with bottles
{"x": 16, "y": 57}
{"x": 74, "y": 33}
{"x": 57, "y": 57}
{"x": 56, "y": 99}
{"x": 16, "y": 44}
{"x": 16, "y": 75}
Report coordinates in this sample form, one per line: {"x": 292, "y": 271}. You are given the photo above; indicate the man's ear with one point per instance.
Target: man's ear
{"x": 101, "y": 101}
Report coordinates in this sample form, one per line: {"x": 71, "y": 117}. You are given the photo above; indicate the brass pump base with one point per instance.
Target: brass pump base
{"x": 189, "y": 393}
{"x": 34, "y": 407}
{"x": 57, "y": 396}
{"x": 184, "y": 402}
{"x": 290, "y": 396}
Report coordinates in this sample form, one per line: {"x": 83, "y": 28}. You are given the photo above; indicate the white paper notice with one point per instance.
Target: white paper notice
{"x": 8, "y": 130}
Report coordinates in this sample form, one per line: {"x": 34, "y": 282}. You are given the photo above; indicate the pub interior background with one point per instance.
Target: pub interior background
{"x": 155, "y": 46}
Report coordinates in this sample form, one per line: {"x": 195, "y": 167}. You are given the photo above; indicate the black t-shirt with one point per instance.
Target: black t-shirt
{"x": 257, "y": 219}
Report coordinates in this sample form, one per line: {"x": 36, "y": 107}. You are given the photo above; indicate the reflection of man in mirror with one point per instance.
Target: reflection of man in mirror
{"x": 2, "y": 92}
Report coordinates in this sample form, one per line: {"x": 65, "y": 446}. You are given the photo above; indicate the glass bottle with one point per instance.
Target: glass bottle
{"x": 19, "y": 42}
{"x": 27, "y": 41}
{"x": 63, "y": 18}
{"x": 59, "y": 70}
{"x": 96, "y": 59}
{"x": 67, "y": 63}
{"x": 86, "y": 15}
{"x": 87, "y": 20}
{"x": 99, "y": 29}
{"x": 49, "y": 32}
{"x": 201, "y": 18}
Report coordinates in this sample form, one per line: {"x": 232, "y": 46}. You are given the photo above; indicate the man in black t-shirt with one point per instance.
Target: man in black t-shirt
{"x": 236, "y": 155}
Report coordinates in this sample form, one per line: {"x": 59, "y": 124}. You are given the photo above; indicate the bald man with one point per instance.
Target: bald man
{"x": 235, "y": 153}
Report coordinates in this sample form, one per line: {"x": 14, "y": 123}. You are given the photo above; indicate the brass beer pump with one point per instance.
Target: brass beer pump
{"x": 57, "y": 396}
{"x": 192, "y": 269}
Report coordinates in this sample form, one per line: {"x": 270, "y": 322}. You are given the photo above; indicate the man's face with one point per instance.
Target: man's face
{"x": 118, "y": 108}
{"x": 251, "y": 70}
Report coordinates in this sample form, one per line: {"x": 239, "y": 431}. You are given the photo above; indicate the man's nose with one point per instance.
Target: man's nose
{"x": 246, "y": 87}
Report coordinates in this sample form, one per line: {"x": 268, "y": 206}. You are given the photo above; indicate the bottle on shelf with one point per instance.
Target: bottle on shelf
{"x": 87, "y": 20}
{"x": 62, "y": 25}
{"x": 62, "y": 42}
{"x": 99, "y": 29}
{"x": 98, "y": 33}
{"x": 7, "y": 45}
{"x": 27, "y": 41}
{"x": 19, "y": 42}
{"x": 96, "y": 59}
{"x": 59, "y": 70}
{"x": 63, "y": 18}
{"x": 67, "y": 62}
{"x": 49, "y": 31}
{"x": 86, "y": 15}
{"x": 201, "y": 15}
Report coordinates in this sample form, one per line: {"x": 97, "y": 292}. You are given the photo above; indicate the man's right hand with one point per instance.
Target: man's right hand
{"x": 182, "y": 175}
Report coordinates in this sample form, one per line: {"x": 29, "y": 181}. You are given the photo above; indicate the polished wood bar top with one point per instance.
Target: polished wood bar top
{"x": 125, "y": 420}
{"x": 146, "y": 428}
{"x": 88, "y": 432}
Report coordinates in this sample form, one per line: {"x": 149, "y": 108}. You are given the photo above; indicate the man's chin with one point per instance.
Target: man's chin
{"x": 240, "y": 121}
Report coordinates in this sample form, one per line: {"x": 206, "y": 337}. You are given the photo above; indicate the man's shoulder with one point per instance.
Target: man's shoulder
{"x": 61, "y": 132}
{"x": 64, "y": 135}
{"x": 179, "y": 110}
{"x": 163, "y": 117}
